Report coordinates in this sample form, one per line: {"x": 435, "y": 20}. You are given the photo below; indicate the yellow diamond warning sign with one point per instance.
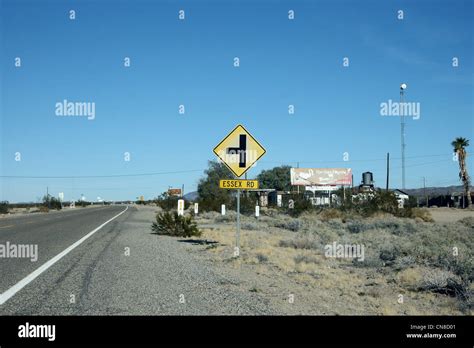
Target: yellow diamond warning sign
{"x": 239, "y": 150}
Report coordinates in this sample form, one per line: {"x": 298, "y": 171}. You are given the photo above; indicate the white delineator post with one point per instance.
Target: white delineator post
{"x": 196, "y": 208}
{"x": 181, "y": 207}
{"x": 257, "y": 211}
{"x": 223, "y": 209}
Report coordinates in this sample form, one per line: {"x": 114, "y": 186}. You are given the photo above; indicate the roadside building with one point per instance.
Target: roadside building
{"x": 402, "y": 197}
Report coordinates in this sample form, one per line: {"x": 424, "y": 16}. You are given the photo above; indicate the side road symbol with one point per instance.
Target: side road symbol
{"x": 241, "y": 150}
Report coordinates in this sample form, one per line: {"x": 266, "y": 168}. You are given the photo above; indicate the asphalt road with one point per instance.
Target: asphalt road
{"x": 120, "y": 269}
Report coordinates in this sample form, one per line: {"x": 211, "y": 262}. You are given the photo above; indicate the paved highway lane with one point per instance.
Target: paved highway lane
{"x": 123, "y": 269}
{"x": 49, "y": 233}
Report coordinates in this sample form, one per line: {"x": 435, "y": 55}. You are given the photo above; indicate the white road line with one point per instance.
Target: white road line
{"x": 32, "y": 276}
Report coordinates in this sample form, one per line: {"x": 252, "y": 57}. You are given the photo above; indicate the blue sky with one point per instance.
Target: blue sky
{"x": 190, "y": 62}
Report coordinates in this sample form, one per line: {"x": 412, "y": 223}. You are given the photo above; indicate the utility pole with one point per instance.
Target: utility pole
{"x": 47, "y": 196}
{"x": 424, "y": 191}
{"x": 297, "y": 186}
{"x": 388, "y": 171}
{"x": 403, "y": 86}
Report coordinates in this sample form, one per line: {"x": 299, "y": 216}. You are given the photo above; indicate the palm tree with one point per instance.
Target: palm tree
{"x": 459, "y": 146}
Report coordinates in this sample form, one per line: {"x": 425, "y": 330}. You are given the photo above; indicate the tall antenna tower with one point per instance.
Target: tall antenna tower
{"x": 403, "y": 86}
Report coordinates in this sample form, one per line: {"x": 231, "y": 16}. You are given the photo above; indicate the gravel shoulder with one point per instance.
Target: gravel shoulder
{"x": 161, "y": 276}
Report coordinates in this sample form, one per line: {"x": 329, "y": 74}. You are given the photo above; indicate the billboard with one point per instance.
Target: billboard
{"x": 174, "y": 192}
{"x": 321, "y": 176}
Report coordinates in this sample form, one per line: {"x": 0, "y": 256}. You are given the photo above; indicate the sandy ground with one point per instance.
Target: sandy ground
{"x": 301, "y": 282}
{"x": 447, "y": 215}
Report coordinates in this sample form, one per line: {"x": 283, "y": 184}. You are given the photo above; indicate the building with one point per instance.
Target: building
{"x": 402, "y": 197}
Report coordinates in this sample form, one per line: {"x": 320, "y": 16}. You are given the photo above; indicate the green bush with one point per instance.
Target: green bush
{"x": 381, "y": 202}
{"x": 300, "y": 204}
{"x": 167, "y": 202}
{"x": 4, "y": 207}
{"x": 247, "y": 203}
{"x": 210, "y": 195}
{"x": 175, "y": 225}
{"x": 51, "y": 202}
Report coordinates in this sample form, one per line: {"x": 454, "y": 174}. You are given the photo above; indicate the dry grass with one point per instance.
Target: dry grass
{"x": 423, "y": 214}
{"x": 402, "y": 256}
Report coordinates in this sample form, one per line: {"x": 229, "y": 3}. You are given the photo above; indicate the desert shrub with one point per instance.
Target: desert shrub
{"x": 300, "y": 205}
{"x": 288, "y": 224}
{"x": 208, "y": 215}
{"x": 445, "y": 282}
{"x": 270, "y": 212}
{"x": 356, "y": 226}
{"x": 404, "y": 262}
{"x": 262, "y": 257}
{"x": 305, "y": 259}
{"x": 336, "y": 225}
{"x": 302, "y": 242}
{"x": 4, "y": 207}
{"x": 422, "y": 213}
{"x": 43, "y": 209}
{"x": 467, "y": 221}
{"x": 391, "y": 224}
{"x": 230, "y": 216}
{"x": 51, "y": 202}
{"x": 389, "y": 254}
{"x": 386, "y": 201}
{"x": 370, "y": 261}
{"x": 167, "y": 202}
{"x": 250, "y": 225}
{"x": 381, "y": 202}
{"x": 330, "y": 213}
{"x": 462, "y": 266}
{"x": 172, "y": 224}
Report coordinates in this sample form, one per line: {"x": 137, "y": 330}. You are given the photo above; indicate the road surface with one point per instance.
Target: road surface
{"x": 121, "y": 268}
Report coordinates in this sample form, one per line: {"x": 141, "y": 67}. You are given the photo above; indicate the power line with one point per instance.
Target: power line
{"x": 423, "y": 164}
{"x": 202, "y": 170}
{"x": 99, "y": 176}
{"x": 356, "y": 160}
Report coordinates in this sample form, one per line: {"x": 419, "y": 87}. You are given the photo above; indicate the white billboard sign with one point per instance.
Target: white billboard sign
{"x": 321, "y": 176}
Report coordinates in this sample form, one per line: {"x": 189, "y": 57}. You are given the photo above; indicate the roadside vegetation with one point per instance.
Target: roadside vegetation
{"x": 459, "y": 146}
{"x": 431, "y": 264}
{"x": 405, "y": 251}
{"x": 172, "y": 224}
{"x": 169, "y": 223}
{"x": 168, "y": 202}
{"x": 50, "y": 202}
{"x": 4, "y": 207}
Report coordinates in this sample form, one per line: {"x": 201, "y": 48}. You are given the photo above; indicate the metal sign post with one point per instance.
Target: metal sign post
{"x": 237, "y": 237}
{"x": 239, "y": 151}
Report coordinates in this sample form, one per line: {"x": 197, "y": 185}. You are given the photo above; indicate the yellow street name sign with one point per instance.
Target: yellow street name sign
{"x": 238, "y": 184}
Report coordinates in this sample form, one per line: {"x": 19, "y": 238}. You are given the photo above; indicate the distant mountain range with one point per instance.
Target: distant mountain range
{"x": 191, "y": 196}
{"x": 434, "y": 191}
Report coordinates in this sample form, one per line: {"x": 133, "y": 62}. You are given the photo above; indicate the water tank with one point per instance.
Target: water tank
{"x": 367, "y": 179}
